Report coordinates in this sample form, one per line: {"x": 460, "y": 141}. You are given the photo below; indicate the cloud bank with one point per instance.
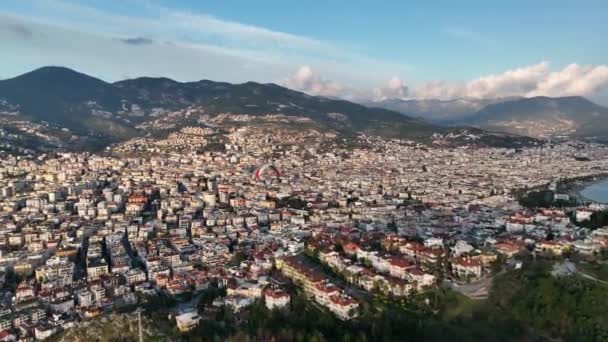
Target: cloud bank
{"x": 305, "y": 80}
{"x": 533, "y": 80}
{"x": 394, "y": 88}
{"x": 528, "y": 81}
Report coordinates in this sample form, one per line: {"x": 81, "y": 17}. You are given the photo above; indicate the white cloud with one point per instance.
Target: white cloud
{"x": 534, "y": 80}
{"x": 510, "y": 83}
{"x": 395, "y": 88}
{"x": 573, "y": 80}
{"x": 207, "y": 24}
{"x": 305, "y": 80}
{"x": 516, "y": 82}
{"x": 439, "y": 90}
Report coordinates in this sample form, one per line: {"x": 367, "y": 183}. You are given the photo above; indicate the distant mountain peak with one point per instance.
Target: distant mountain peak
{"x": 149, "y": 79}
{"x": 56, "y": 73}
{"x": 54, "y": 69}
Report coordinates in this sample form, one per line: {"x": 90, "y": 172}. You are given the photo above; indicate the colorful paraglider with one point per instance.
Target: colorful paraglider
{"x": 266, "y": 171}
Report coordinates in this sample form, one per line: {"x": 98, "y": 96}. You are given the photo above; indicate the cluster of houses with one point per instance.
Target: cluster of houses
{"x": 82, "y": 234}
{"x": 318, "y": 286}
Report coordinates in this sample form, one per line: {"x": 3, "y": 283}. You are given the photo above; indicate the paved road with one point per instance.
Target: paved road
{"x": 568, "y": 268}
{"x": 475, "y": 290}
{"x": 592, "y": 277}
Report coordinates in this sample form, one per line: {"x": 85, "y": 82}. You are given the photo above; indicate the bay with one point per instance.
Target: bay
{"x": 597, "y": 192}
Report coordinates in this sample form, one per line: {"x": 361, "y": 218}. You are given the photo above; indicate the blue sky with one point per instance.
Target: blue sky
{"x": 353, "y": 49}
{"x": 478, "y": 36}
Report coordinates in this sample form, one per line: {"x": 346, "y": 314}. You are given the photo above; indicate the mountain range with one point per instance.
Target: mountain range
{"x": 442, "y": 112}
{"x": 88, "y": 105}
{"x": 545, "y": 117}
{"x": 66, "y": 102}
{"x": 540, "y": 117}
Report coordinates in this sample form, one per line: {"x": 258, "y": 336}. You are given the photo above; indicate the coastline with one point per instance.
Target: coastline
{"x": 575, "y": 187}
{"x": 582, "y": 197}
{"x": 570, "y": 186}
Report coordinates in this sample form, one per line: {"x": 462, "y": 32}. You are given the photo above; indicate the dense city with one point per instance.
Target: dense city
{"x": 303, "y": 171}
{"x": 267, "y": 217}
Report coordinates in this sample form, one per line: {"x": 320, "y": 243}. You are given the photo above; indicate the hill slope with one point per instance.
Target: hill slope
{"x": 66, "y": 98}
{"x": 545, "y": 117}
{"x": 63, "y": 96}
{"x": 443, "y": 112}
{"x": 109, "y": 112}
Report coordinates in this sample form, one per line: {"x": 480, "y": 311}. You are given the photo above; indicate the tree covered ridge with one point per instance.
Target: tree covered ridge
{"x": 571, "y": 307}
{"x": 524, "y": 305}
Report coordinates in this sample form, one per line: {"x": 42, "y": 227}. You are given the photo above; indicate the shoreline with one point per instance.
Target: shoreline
{"x": 570, "y": 186}
{"x": 575, "y": 186}
{"x": 579, "y": 192}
